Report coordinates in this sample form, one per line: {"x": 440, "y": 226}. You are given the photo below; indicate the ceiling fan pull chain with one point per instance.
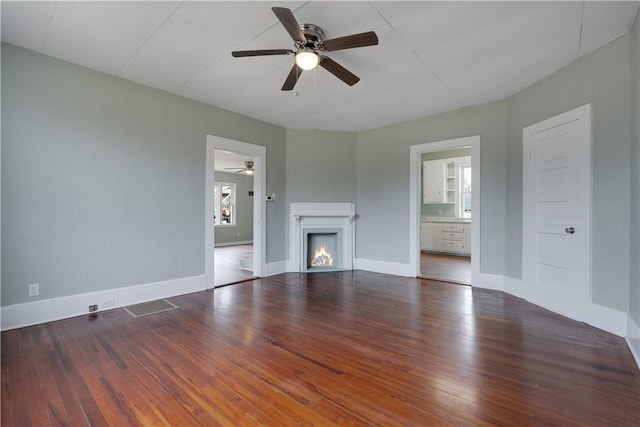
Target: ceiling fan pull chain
{"x": 315, "y": 70}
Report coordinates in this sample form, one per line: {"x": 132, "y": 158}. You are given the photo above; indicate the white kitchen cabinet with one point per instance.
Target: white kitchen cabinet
{"x": 440, "y": 180}
{"x": 453, "y": 238}
{"x": 445, "y": 237}
{"x": 430, "y": 236}
{"x": 433, "y": 183}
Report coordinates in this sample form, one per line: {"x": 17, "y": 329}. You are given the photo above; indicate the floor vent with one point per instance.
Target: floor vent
{"x": 151, "y": 307}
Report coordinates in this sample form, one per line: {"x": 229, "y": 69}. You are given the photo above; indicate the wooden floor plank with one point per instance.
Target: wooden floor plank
{"x": 339, "y": 348}
{"x": 452, "y": 268}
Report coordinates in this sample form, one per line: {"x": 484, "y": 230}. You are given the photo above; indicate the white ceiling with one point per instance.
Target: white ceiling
{"x": 432, "y": 57}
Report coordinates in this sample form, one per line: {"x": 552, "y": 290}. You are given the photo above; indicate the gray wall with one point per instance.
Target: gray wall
{"x": 320, "y": 166}
{"x": 602, "y": 78}
{"x": 242, "y": 231}
{"x": 382, "y": 229}
{"x": 103, "y": 179}
{"x": 634, "y": 272}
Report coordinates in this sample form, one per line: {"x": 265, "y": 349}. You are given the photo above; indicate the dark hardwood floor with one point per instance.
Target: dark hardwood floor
{"x": 451, "y": 268}
{"x": 230, "y": 264}
{"x": 322, "y": 349}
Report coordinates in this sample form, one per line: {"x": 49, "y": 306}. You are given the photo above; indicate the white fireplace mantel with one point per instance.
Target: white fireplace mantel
{"x": 306, "y": 216}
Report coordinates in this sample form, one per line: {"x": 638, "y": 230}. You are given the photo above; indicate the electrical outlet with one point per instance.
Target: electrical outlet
{"x": 108, "y": 303}
{"x": 93, "y": 308}
{"x": 34, "y": 290}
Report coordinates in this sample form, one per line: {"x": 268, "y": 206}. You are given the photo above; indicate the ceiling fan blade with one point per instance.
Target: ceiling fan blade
{"x": 289, "y": 23}
{"x": 292, "y": 78}
{"x": 243, "y": 53}
{"x": 348, "y": 42}
{"x": 339, "y": 71}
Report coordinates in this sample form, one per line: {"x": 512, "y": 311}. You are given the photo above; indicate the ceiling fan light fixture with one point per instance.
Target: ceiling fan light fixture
{"x": 249, "y": 171}
{"x": 310, "y": 44}
{"x": 307, "y": 59}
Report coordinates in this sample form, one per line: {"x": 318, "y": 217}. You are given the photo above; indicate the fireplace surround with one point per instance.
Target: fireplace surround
{"x": 326, "y": 225}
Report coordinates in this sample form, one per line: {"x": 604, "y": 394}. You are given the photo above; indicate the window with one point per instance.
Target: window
{"x": 224, "y": 203}
{"x": 465, "y": 191}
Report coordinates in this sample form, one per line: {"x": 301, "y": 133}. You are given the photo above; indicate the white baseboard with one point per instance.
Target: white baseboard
{"x": 33, "y": 313}
{"x": 384, "y": 267}
{"x": 606, "y": 318}
{"x": 514, "y": 287}
{"x": 490, "y": 281}
{"x": 241, "y": 242}
{"x": 277, "y": 267}
{"x": 633, "y": 338}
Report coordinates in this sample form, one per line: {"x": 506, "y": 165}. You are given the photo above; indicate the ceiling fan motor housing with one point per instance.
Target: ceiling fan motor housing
{"x": 314, "y": 35}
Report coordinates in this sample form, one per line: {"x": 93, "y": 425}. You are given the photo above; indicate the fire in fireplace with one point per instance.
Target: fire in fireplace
{"x": 322, "y": 258}
{"x": 322, "y": 248}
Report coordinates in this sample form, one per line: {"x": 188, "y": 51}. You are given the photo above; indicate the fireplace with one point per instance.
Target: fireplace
{"x": 321, "y": 237}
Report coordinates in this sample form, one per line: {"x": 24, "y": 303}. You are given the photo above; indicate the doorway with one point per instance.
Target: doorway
{"x": 233, "y": 218}
{"x": 249, "y": 152}
{"x": 459, "y": 235}
{"x": 446, "y": 215}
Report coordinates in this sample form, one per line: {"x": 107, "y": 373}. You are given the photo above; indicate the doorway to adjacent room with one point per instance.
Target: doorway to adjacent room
{"x": 221, "y": 211}
{"x": 233, "y": 198}
{"x": 444, "y": 213}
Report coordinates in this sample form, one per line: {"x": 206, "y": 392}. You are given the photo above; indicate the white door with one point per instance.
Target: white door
{"x": 556, "y": 266}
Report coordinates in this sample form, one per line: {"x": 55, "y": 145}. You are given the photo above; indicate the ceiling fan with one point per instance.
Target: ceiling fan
{"x": 310, "y": 48}
{"x": 247, "y": 169}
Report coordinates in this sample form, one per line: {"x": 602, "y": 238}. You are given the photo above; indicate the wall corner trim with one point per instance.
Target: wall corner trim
{"x": 605, "y": 318}
{"x": 48, "y": 310}
{"x": 277, "y": 267}
{"x": 633, "y": 338}
{"x": 490, "y": 281}
{"x": 515, "y": 287}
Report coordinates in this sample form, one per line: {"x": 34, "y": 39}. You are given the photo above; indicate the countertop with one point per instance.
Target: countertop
{"x": 445, "y": 219}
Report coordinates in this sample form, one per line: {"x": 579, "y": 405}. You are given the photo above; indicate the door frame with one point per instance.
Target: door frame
{"x": 582, "y": 114}
{"x": 259, "y": 154}
{"x": 415, "y": 167}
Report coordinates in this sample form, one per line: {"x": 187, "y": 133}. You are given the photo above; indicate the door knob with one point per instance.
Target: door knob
{"x": 569, "y": 230}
